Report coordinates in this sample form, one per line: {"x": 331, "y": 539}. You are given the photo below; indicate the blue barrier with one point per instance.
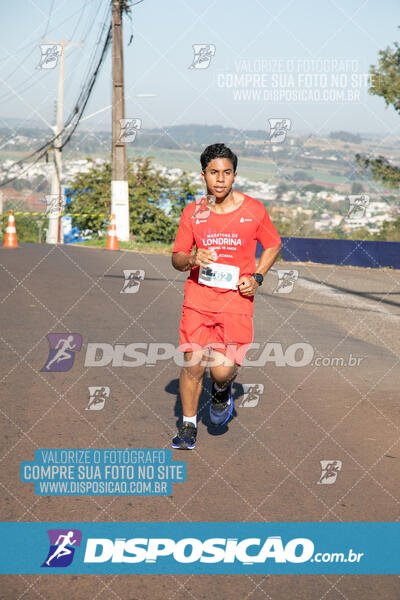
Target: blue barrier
{"x": 355, "y": 253}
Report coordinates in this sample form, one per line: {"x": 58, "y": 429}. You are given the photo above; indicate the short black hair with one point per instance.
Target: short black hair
{"x": 218, "y": 151}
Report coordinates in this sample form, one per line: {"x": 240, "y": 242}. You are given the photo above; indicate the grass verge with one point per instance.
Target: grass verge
{"x": 146, "y": 247}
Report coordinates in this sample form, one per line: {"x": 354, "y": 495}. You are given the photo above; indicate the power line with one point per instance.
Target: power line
{"x": 33, "y": 45}
{"x": 89, "y": 88}
{"x": 48, "y": 18}
{"x": 75, "y": 115}
{"x": 11, "y": 179}
{"x": 19, "y": 87}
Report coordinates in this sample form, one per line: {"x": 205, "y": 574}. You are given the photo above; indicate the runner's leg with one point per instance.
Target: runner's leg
{"x": 190, "y": 381}
{"x": 223, "y": 370}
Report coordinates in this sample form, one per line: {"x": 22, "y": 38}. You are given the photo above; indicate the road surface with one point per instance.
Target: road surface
{"x": 343, "y": 405}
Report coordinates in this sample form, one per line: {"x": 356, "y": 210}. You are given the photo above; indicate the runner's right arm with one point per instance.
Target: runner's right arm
{"x": 182, "y": 257}
{"x": 184, "y": 262}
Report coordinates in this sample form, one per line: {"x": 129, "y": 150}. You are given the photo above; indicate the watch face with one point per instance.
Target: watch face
{"x": 258, "y": 277}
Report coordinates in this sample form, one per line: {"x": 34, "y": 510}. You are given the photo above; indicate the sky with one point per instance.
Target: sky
{"x": 305, "y": 60}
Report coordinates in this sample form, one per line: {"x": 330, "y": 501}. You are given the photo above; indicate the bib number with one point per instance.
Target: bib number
{"x": 218, "y": 275}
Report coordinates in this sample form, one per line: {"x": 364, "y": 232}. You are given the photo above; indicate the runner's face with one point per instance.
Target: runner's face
{"x": 219, "y": 177}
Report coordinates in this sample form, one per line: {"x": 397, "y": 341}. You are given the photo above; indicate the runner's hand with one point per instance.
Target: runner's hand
{"x": 203, "y": 257}
{"x": 247, "y": 286}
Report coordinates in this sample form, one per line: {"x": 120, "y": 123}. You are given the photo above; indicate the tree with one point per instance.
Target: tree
{"x": 22, "y": 184}
{"x": 28, "y": 227}
{"x": 385, "y": 82}
{"x": 301, "y": 176}
{"x": 155, "y": 202}
{"x": 356, "y": 188}
{"x": 314, "y": 187}
{"x": 390, "y": 231}
{"x": 346, "y": 136}
{"x": 281, "y": 189}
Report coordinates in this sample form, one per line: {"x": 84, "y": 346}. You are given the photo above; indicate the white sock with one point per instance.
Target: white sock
{"x": 191, "y": 420}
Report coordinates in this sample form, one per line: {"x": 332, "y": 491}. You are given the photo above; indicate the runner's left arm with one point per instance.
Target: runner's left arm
{"x": 268, "y": 257}
{"x": 248, "y": 285}
{"x": 270, "y": 240}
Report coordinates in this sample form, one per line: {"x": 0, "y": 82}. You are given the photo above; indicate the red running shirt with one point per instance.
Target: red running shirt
{"x": 234, "y": 237}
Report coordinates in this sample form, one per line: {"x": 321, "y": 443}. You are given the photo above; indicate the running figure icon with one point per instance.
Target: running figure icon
{"x": 62, "y": 346}
{"x": 63, "y": 545}
{"x": 133, "y": 278}
{"x": 286, "y": 281}
{"x": 62, "y": 549}
{"x": 62, "y": 351}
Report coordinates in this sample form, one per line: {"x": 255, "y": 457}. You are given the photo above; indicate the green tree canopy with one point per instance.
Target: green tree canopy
{"x": 385, "y": 82}
{"x": 155, "y": 202}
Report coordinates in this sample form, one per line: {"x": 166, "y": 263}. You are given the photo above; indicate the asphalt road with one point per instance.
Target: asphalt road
{"x": 263, "y": 466}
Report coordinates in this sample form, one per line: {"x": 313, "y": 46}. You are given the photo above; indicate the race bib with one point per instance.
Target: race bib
{"x": 221, "y": 276}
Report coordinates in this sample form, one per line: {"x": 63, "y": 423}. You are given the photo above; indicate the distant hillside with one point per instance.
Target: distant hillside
{"x": 202, "y": 134}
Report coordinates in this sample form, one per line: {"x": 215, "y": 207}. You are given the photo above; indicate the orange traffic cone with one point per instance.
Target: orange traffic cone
{"x": 10, "y": 239}
{"x": 112, "y": 240}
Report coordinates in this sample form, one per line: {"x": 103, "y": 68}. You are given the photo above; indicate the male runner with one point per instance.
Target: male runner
{"x": 217, "y": 311}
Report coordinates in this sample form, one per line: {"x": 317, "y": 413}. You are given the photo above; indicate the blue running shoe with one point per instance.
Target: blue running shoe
{"x": 186, "y": 437}
{"x": 221, "y": 406}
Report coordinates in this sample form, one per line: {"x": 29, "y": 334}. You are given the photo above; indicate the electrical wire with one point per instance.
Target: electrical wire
{"x": 48, "y": 18}
{"x": 33, "y": 45}
{"x": 75, "y": 115}
{"x": 89, "y": 88}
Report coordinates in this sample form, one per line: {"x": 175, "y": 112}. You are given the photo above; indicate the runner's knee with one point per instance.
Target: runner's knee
{"x": 223, "y": 375}
{"x": 194, "y": 365}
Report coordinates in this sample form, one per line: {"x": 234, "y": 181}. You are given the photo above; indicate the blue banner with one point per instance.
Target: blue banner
{"x": 355, "y": 253}
{"x": 220, "y": 548}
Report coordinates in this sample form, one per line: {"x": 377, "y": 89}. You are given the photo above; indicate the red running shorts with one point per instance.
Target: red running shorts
{"x": 228, "y": 333}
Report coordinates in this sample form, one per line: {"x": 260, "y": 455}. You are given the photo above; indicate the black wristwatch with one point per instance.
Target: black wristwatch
{"x": 258, "y": 277}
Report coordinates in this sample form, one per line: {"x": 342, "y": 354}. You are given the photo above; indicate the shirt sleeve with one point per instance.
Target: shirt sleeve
{"x": 184, "y": 240}
{"x": 267, "y": 235}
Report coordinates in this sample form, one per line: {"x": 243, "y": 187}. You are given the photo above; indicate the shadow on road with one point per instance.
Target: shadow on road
{"x": 203, "y": 415}
{"x": 369, "y": 295}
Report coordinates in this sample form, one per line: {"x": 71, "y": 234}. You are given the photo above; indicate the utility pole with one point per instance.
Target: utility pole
{"x": 119, "y": 182}
{"x": 54, "y": 233}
